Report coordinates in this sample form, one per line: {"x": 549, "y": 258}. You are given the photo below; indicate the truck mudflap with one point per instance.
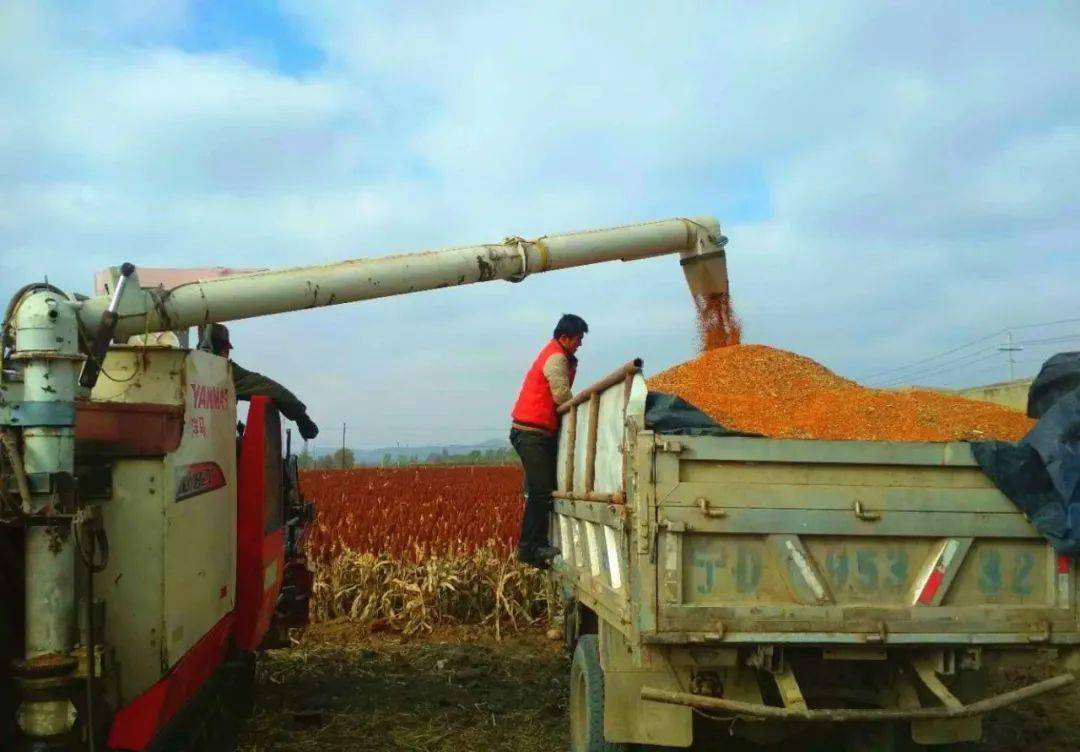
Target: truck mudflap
{"x": 856, "y": 715}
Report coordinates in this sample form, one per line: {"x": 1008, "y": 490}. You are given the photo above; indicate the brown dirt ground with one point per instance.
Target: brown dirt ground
{"x": 339, "y": 689}
{"x": 455, "y": 690}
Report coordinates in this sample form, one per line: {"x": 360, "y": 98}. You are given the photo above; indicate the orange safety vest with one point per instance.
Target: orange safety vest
{"x": 535, "y": 406}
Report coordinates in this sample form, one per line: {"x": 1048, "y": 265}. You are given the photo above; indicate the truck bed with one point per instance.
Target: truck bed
{"x": 683, "y": 539}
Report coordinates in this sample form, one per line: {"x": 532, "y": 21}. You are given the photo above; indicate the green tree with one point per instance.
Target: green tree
{"x": 343, "y": 458}
{"x": 305, "y": 460}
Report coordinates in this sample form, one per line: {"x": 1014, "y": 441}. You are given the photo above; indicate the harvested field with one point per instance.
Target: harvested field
{"x": 763, "y": 390}
{"x": 456, "y": 690}
{"x": 409, "y": 549}
{"x": 341, "y": 690}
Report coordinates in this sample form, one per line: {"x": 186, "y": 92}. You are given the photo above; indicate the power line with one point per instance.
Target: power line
{"x": 1046, "y": 323}
{"x": 965, "y": 346}
{"x": 936, "y": 372}
{"x": 934, "y": 357}
{"x": 961, "y": 359}
{"x": 1049, "y": 341}
{"x": 971, "y": 358}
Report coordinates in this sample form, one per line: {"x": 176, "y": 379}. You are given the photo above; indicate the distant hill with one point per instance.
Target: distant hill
{"x": 377, "y": 456}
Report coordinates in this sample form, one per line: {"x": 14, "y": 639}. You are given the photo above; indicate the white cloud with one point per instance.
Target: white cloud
{"x": 899, "y": 177}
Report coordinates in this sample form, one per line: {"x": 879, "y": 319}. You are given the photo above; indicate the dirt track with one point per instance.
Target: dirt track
{"x": 462, "y": 691}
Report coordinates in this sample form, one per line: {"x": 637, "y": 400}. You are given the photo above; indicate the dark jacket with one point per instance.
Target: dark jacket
{"x": 249, "y": 384}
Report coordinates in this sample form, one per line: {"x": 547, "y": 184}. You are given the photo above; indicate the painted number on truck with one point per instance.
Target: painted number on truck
{"x": 714, "y": 561}
{"x": 994, "y": 579}
{"x": 868, "y": 569}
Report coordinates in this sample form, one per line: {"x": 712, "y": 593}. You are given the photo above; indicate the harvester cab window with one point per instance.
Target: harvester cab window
{"x": 274, "y": 509}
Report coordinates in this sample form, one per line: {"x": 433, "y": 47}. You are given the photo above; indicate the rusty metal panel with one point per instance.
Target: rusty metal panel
{"x": 152, "y": 375}
{"x": 861, "y": 541}
{"x": 171, "y": 522}
{"x": 134, "y": 520}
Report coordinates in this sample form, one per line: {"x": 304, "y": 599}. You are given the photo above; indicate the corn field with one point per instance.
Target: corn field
{"x": 409, "y": 549}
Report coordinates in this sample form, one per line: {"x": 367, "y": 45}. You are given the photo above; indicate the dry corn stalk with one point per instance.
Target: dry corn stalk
{"x": 415, "y": 595}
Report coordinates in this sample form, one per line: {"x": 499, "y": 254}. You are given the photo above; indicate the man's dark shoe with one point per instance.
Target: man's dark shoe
{"x": 531, "y": 555}
{"x": 547, "y": 554}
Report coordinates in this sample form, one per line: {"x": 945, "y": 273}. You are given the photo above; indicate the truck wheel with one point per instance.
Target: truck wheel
{"x": 570, "y": 627}
{"x": 587, "y": 699}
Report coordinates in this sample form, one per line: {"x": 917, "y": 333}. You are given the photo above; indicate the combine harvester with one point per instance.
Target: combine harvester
{"x": 145, "y": 551}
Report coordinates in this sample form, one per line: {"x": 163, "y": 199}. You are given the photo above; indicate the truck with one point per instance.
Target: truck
{"x": 736, "y": 585}
{"x": 147, "y": 550}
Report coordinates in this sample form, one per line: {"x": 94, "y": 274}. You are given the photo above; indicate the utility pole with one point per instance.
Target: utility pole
{"x": 1010, "y": 348}
{"x": 342, "y": 446}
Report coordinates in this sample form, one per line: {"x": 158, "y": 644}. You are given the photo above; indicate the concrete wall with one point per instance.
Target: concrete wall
{"x": 1008, "y": 393}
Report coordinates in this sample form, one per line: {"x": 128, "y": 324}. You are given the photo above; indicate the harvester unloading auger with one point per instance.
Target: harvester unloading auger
{"x": 128, "y": 485}
{"x": 698, "y": 241}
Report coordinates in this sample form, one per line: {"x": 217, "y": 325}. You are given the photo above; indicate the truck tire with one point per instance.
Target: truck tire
{"x": 587, "y": 699}
{"x": 587, "y": 703}
{"x": 570, "y": 627}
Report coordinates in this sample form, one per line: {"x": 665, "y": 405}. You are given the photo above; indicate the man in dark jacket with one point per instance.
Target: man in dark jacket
{"x": 248, "y": 384}
{"x": 534, "y": 434}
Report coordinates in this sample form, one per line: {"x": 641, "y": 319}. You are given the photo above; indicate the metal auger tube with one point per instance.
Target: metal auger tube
{"x": 46, "y": 343}
{"x": 270, "y": 292}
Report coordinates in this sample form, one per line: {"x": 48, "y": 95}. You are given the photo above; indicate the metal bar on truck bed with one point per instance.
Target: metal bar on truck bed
{"x": 613, "y": 378}
{"x": 611, "y": 515}
{"x": 607, "y": 498}
{"x": 848, "y": 715}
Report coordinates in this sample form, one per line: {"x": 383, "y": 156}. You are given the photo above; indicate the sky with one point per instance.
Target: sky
{"x": 896, "y": 180}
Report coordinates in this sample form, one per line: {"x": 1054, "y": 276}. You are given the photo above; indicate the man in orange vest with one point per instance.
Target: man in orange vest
{"x": 534, "y": 434}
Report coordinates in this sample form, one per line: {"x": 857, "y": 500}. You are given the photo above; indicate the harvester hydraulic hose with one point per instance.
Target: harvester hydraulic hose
{"x": 92, "y": 568}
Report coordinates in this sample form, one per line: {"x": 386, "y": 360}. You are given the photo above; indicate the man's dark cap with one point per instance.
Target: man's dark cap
{"x": 219, "y": 337}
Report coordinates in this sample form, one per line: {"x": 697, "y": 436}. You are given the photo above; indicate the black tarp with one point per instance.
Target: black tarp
{"x": 1059, "y": 376}
{"x": 1041, "y": 472}
{"x": 668, "y": 414}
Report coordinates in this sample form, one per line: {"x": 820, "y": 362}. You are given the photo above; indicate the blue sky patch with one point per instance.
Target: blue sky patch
{"x": 259, "y": 30}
